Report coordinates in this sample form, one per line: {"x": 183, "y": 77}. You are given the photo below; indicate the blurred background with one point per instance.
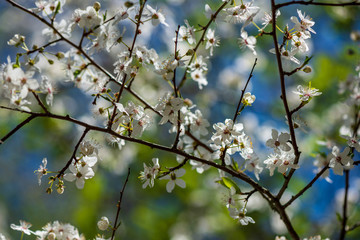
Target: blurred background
{"x": 198, "y": 211}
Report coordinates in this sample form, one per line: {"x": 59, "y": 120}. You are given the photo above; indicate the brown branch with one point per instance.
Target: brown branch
{"x": 274, "y": 203}
{"x": 285, "y": 103}
{"x": 40, "y": 102}
{"x": 302, "y": 104}
{"x": 73, "y": 156}
{"x": 137, "y": 32}
{"x": 23, "y": 123}
{"x": 243, "y": 91}
{"x": 347, "y": 185}
{"x": 118, "y": 205}
{"x": 353, "y": 227}
{"x": 309, "y": 185}
{"x": 176, "y": 141}
{"x": 174, "y": 168}
{"x": 249, "y": 194}
{"x": 311, "y": 2}
{"x": 345, "y": 206}
{"x": 111, "y": 77}
{"x": 43, "y": 47}
{"x": 67, "y": 118}
{"x": 298, "y": 68}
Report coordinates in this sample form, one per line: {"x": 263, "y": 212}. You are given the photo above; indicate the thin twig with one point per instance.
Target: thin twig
{"x": 353, "y": 227}
{"x": 311, "y": 2}
{"x": 137, "y": 32}
{"x": 108, "y": 74}
{"x": 243, "y": 91}
{"x": 118, "y": 205}
{"x": 282, "y": 212}
{"x": 73, "y": 156}
{"x": 242, "y": 176}
{"x": 40, "y": 102}
{"x": 249, "y": 194}
{"x": 345, "y": 206}
{"x": 176, "y": 141}
{"x": 274, "y": 203}
{"x": 43, "y": 47}
{"x": 285, "y": 103}
{"x": 302, "y": 104}
{"x": 205, "y": 28}
{"x": 309, "y": 185}
{"x": 345, "y": 218}
{"x": 174, "y": 168}
{"x": 23, "y": 123}
{"x": 298, "y": 68}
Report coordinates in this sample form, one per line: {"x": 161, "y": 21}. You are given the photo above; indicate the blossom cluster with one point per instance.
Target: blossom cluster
{"x": 283, "y": 157}
{"x": 230, "y": 148}
{"x": 57, "y": 230}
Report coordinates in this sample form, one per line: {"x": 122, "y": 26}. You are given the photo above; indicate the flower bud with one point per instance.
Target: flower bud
{"x": 190, "y": 52}
{"x": 97, "y": 6}
{"x": 51, "y": 236}
{"x": 49, "y": 190}
{"x": 128, "y": 4}
{"x": 60, "y": 189}
{"x": 188, "y": 102}
{"x": 103, "y": 224}
{"x": 307, "y": 69}
{"x": 355, "y": 36}
{"x": 60, "y": 55}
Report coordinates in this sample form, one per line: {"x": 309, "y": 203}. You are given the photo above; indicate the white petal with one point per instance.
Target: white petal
{"x": 80, "y": 182}
{"x": 69, "y": 177}
{"x": 181, "y": 183}
{"x": 170, "y": 186}
{"x": 180, "y": 172}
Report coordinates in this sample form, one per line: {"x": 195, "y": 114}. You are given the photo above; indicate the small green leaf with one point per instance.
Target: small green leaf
{"x": 307, "y": 60}
{"x": 229, "y": 183}
{"x": 221, "y": 182}
{"x": 104, "y": 16}
{"x": 76, "y": 73}
{"x": 338, "y": 216}
{"x": 58, "y": 6}
{"x": 234, "y": 165}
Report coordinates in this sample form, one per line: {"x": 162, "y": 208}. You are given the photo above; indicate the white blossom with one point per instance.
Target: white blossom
{"x": 103, "y": 223}
{"x": 240, "y": 215}
{"x": 173, "y": 178}
{"x": 307, "y": 93}
{"x": 23, "y": 227}
{"x": 247, "y": 41}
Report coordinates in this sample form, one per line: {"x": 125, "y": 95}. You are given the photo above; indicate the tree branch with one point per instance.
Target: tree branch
{"x": 137, "y": 32}
{"x": 40, "y": 102}
{"x": 311, "y": 2}
{"x": 345, "y": 206}
{"x": 119, "y": 206}
{"x": 242, "y": 176}
{"x": 284, "y": 99}
{"x": 309, "y": 185}
{"x": 111, "y": 77}
{"x": 73, "y": 156}
{"x": 213, "y": 17}
{"x": 243, "y": 91}
{"x": 353, "y": 227}
{"x": 23, "y": 123}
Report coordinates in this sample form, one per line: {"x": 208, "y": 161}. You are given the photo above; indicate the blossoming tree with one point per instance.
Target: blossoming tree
{"x": 144, "y": 91}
